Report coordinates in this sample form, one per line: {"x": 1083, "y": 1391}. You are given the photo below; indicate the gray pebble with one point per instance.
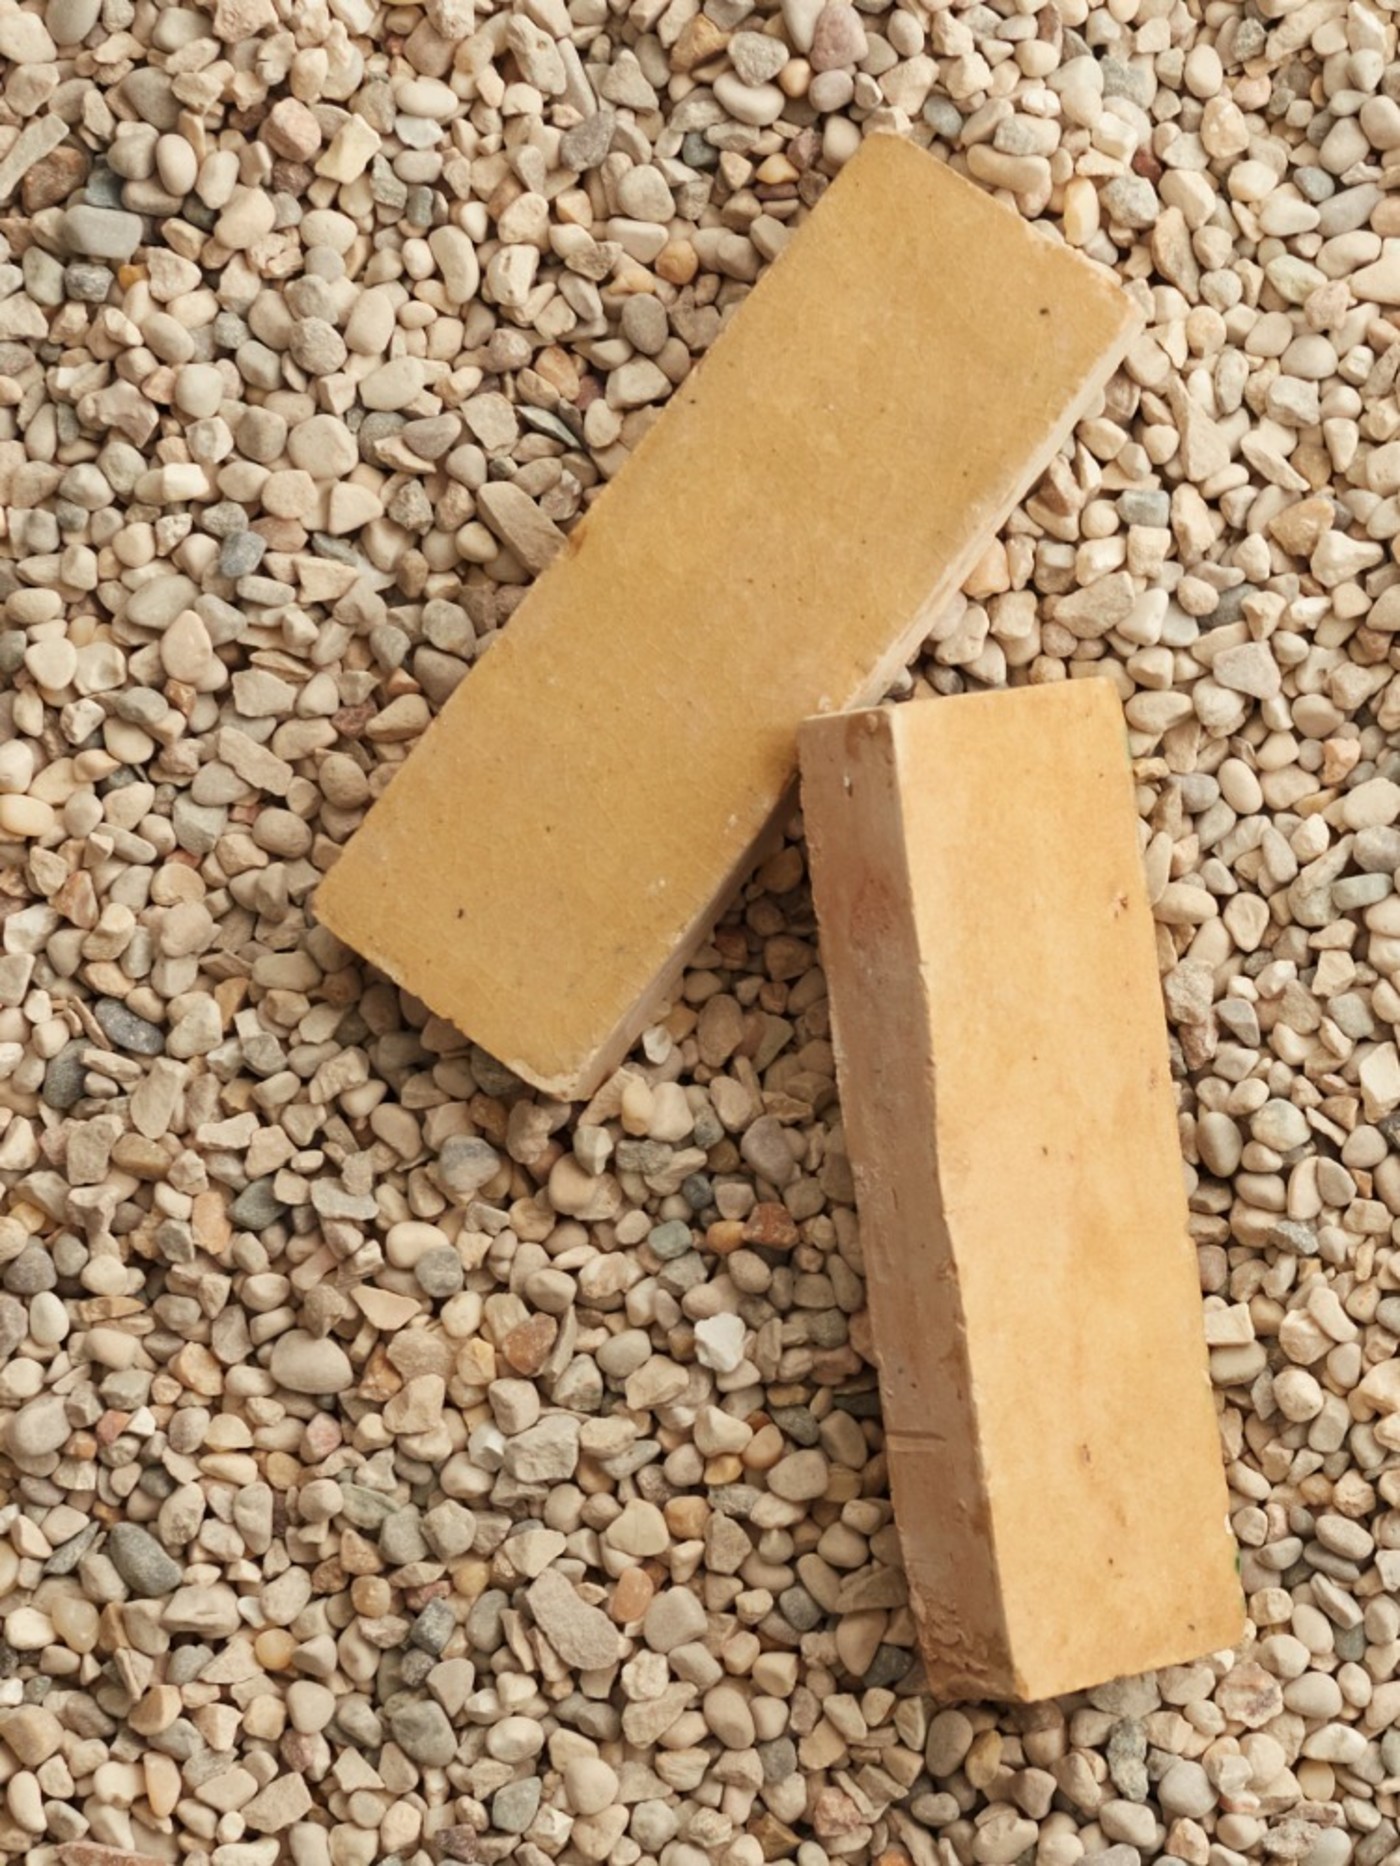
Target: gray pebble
{"x": 101, "y": 232}
{"x": 127, "y": 1030}
{"x": 67, "y": 1555}
{"x": 256, "y": 1207}
{"x": 1296, "y": 1235}
{"x": 241, "y": 553}
{"x": 698, "y": 1191}
{"x": 433, "y": 1627}
{"x": 709, "y": 1129}
{"x": 422, "y": 1732}
{"x": 63, "y": 1076}
{"x": 186, "y": 1663}
{"x": 414, "y": 1666}
{"x": 385, "y": 186}
{"x": 87, "y": 282}
{"x": 141, "y": 1562}
{"x": 757, "y": 56}
{"x": 493, "y": 1077}
{"x": 798, "y": 1424}
{"x": 439, "y": 1272}
{"x": 888, "y": 1667}
{"x": 485, "y": 1630}
{"x": 150, "y": 93}
{"x": 1144, "y": 506}
{"x": 799, "y": 1609}
{"x": 644, "y": 1156}
{"x": 1127, "y": 1758}
{"x": 778, "y": 1759}
{"x": 103, "y": 189}
{"x": 401, "y": 1539}
{"x": 584, "y": 146}
{"x": 670, "y": 1240}
{"x": 1130, "y": 201}
{"x": 70, "y": 21}
{"x": 465, "y": 1164}
{"x": 419, "y": 206}
{"x": 943, "y": 118}
{"x": 364, "y": 1508}
{"x": 31, "y": 1272}
{"x": 516, "y": 1805}
{"x": 1313, "y": 183}
{"x": 1121, "y": 78}
{"x": 223, "y": 518}
{"x": 739, "y": 1500}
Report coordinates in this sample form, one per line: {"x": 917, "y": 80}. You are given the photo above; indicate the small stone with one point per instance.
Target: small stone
{"x": 583, "y": 1636}
{"x": 584, "y": 146}
{"x": 457, "y": 263}
{"x": 719, "y": 1342}
{"x": 800, "y": 1477}
{"x": 284, "y": 1801}
{"x": 674, "y": 1618}
{"x": 423, "y": 1733}
{"x": 102, "y": 233}
{"x": 185, "y": 648}
{"x": 38, "y": 1429}
{"x": 516, "y": 1805}
{"x": 256, "y": 1207}
{"x": 590, "y": 1785}
{"x": 519, "y": 523}
{"x": 838, "y": 38}
{"x": 1250, "y": 669}
{"x": 64, "y": 1075}
{"x": 1249, "y": 1695}
{"x": 759, "y": 56}
{"x": 1130, "y": 201}
{"x": 24, "y": 38}
{"x": 303, "y": 1364}
{"x": 142, "y": 1563}
{"x": 126, "y": 1030}
{"x": 33, "y": 1733}
{"x": 765, "y": 1148}
{"x": 1186, "y": 1792}
{"x": 465, "y": 1164}
{"x": 439, "y": 1272}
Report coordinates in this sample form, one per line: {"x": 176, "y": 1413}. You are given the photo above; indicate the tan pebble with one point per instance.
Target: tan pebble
{"x": 29, "y": 817}
{"x": 631, "y": 1597}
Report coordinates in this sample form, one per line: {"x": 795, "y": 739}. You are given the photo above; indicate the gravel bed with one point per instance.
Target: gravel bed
{"x": 397, "y": 1467}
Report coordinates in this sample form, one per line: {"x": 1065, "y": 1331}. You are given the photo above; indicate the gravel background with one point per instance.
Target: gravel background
{"x": 397, "y": 1467}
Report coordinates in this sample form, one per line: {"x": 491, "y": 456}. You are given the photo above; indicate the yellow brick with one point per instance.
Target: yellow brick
{"x": 777, "y": 546}
{"x": 1010, "y": 1118}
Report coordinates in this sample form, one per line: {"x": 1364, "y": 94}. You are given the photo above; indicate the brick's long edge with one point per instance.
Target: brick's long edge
{"x": 567, "y": 828}
{"x": 860, "y": 881}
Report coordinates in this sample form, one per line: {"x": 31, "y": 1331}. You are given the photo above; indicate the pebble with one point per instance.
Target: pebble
{"x": 126, "y": 1030}
{"x": 423, "y": 1733}
{"x": 302, "y": 1364}
{"x": 583, "y": 1636}
{"x": 465, "y": 1165}
{"x": 102, "y": 233}
{"x": 838, "y": 38}
{"x": 141, "y": 1562}
{"x": 38, "y": 1429}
